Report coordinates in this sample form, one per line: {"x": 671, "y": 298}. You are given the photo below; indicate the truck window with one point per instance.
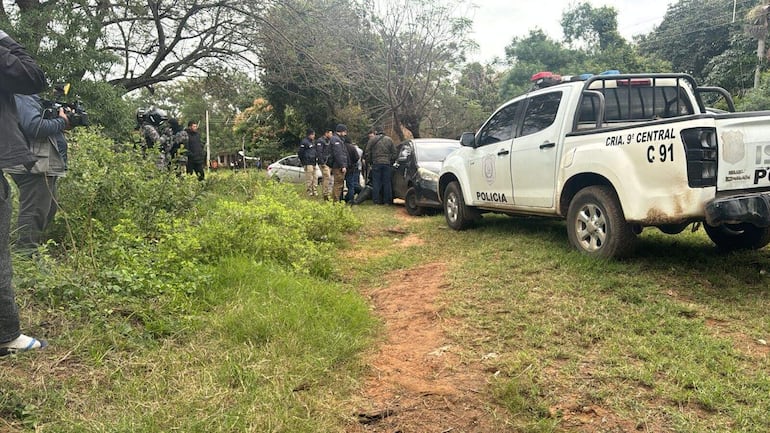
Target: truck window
{"x": 500, "y": 126}
{"x": 541, "y": 112}
{"x": 637, "y": 103}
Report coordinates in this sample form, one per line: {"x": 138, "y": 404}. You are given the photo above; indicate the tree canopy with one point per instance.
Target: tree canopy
{"x": 393, "y": 63}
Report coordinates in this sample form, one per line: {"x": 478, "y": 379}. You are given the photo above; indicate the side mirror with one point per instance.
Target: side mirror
{"x": 468, "y": 139}
{"x": 403, "y": 154}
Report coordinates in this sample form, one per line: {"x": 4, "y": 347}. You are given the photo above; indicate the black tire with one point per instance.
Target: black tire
{"x": 458, "y": 215}
{"x": 734, "y": 237}
{"x": 410, "y": 203}
{"x": 596, "y": 225}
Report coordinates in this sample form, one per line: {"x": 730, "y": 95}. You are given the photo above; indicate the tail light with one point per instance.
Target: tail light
{"x": 700, "y": 145}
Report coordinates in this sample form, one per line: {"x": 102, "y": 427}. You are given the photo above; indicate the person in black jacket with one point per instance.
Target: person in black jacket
{"x": 18, "y": 74}
{"x": 323, "y": 152}
{"x": 196, "y": 158}
{"x": 339, "y": 163}
{"x": 309, "y": 159}
{"x": 354, "y": 170}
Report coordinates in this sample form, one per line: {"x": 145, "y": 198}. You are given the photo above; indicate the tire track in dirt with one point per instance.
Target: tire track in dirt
{"x": 418, "y": 381}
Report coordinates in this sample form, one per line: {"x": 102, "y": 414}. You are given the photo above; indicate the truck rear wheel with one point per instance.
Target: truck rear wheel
{"x": 458, "y": 215}
{"x": 596, "y": 225}
{"x": 733, "y": 237}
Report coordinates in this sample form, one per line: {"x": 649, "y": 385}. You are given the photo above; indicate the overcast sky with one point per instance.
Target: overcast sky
{"x": 497, "y": 22}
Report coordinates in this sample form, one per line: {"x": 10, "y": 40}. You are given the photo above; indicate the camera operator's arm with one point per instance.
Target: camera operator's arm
{"x": 18, "y": 71}
{"x": 31, "y": 118}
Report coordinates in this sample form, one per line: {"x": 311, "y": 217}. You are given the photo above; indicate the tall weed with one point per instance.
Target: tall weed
{"x": 107, "y": 184}
{"x": 276, "y": 225}
{"x": 135, "y": 246}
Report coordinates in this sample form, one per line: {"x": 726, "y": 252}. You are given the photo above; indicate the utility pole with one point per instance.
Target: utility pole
{"x": 761, "y": 48}
{"x": 208, "y": 142}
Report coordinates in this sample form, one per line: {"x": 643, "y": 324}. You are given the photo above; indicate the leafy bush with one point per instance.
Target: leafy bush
{"x": 135, "y": 247}
{"x": 756, "y": 99}
{"x": 105, "y": 186}
{"x": 276, "y": 225}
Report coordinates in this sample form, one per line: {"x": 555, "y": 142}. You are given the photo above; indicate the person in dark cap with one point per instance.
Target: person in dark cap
{"x": 339, "y": 163}
{"x": 380, "y": 153}
{"x": 354, "y": 170}
{"x": 309, "y": 159}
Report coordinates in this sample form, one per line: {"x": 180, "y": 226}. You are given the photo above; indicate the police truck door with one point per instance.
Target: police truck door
{"x": 490, "y": 160}
{"x": 535, "y": 150}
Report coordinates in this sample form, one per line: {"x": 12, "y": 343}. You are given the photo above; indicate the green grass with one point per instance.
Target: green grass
{"x": 637, "y": 337}
{"x": 667, "y": 340}
{"x": 254, "y": 335}
{"x": 274, "y": 355}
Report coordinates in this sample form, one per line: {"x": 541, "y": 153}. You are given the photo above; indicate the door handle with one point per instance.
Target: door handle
{"x": 503, "y": 152}
{"x": 547, "y": 145}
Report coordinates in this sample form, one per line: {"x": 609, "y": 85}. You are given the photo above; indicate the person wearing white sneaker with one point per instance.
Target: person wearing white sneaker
{"x": 18, "y": 74}
{"x": 22, "y": 343}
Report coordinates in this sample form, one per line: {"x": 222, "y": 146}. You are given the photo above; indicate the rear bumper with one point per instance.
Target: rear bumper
{"x": 753, "y": 209}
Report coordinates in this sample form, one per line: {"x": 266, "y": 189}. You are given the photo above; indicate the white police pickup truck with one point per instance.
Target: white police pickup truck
{"x": 613, "y": 154}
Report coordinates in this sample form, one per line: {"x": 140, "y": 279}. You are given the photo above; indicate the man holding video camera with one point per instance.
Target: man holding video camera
{"x": 18, "y": 74}
{"x": 37, "y": 186}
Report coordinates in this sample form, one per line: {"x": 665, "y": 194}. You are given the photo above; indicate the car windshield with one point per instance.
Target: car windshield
{"x": 434, "y": 152}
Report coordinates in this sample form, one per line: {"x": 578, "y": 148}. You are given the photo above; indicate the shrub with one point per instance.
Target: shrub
{"x": 276, "y": 225}
{"x": 135, "y": 247}
{"x": 105, "y": 186}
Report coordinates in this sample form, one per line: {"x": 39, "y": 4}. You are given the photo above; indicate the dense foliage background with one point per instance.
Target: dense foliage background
{"x": 264, "y": 70}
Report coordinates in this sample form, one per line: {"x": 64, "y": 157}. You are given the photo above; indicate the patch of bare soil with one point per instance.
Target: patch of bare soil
{"x": 418, "y": 382}
{"x": 752, "y": 347}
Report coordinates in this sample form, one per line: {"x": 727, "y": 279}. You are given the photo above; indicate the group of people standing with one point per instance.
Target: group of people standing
{"x": 342, "y": 162}
{"x": 181, "y": 147}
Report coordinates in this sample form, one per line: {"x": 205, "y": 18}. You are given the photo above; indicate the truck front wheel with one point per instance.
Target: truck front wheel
{"x": 596, "y": 225}
{"x": 458, "y": 215}
{"x": 733, "y": 237}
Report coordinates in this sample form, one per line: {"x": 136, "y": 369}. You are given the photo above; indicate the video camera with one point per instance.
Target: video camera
{"x": 75, "y": 110}
{"x": 151, "y": 116}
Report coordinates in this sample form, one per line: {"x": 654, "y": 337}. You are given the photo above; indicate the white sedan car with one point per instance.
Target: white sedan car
{"x": 290, "y": 169}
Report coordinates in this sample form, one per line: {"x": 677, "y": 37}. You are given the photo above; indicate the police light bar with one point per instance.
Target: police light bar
{"x": 545, "y": 79}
